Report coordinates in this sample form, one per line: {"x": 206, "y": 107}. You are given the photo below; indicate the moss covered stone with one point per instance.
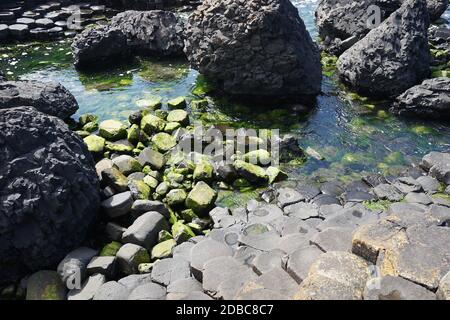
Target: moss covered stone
{"x": 150, "y": 103}
{"x": 112, "y": 130}
{"x": 90, "y": 127}
{"x": 45, "y": 285}
{"x": 110, "y": 250}
{"x": 163, "y": 249}
{"x": 171, "y": 127}
{"x": 201, "y": 198}
{"x": 275, "y": 174}
{"x": 95, "y": 143}
{"x": 164, "y": 235}
{"x": 179, "y": 116}
{"x": 139, "y": 189}
{"x": 87, "y": 118}
{"x": 203, "y": 171}
{"x": 152, "y": 124}
{"x": 164, "y": 141}
{"x": 152, "y": 182}
{"x": 251, "y": 172}
{"x": 176, "y": 197}
{"x": 119, "y": 147}
{"x": 133, "y": 134}
{"x": 177, "y": 103}
{"x": 181, "y": 232}
{"x": 260, "y": 156}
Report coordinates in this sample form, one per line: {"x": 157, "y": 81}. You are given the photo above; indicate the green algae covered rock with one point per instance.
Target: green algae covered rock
{"x": 139, "y": 189}
{"x": 176, "y": 197}
{"x": 179, "y": 116}
{"x": 251, "y": 172}
{"x": 164, "y": 141}
{"x": 90, "y": 127}
{"x": 115, "y": 179}
{"x": 87, "y": 118}
{"x": 260, "y": 156}
{"x": 112, "y": 130}
{"x": 46, "y": 285}
{"x": 95, "y": 143}
{"x": 177, "y": 103}
{"x": 163, "y": 249}
{"x": 275, "y": 174}
{"x": 149, "y": 103}
{"x": 164, "y": 235}
{"x": 201, "y": 198}
{"x": 203, "y": 171}
{"x": 152, "y": 182}
{"x": 171, "y": 127}
{"x": 151, "y": 124}
{"x": 119, "y": 147}
{"x": 181, "y": 232}
{"x": 133, "y": 134}
{"x": 110, "y": 250}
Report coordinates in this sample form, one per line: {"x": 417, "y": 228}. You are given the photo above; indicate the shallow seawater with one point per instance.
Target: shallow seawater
{"x": 353, "y": 134}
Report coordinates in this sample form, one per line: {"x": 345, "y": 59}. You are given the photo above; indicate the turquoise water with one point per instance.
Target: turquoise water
{"x": 354, "y": 135}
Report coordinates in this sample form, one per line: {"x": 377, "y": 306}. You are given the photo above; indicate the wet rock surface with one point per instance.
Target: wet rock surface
{"x": 266, "y": 51}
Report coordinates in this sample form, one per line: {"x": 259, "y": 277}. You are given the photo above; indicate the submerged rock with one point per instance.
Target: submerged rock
{"x": 48, "y": 190}
{"x": 380, "y": 65}
{"x": 256, "y": 48}
{"x": 47, "y": 97}
{"x": 430, "y": 99}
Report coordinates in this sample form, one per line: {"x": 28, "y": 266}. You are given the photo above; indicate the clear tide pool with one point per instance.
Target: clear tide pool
{"x": 354, "y": 135}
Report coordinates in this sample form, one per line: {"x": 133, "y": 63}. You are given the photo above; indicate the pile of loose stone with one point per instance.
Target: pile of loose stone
{"x": 378, "y": 238}
{"x": 20, "y": 21}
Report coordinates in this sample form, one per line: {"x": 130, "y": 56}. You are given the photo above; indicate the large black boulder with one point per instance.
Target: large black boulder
{"x": 156, "y": 33}
{"x": 48, "y": 97}
{"x": 99, "y": 46}
{"x": 253, "y": 48}
{"x": 342, "y": 22}
{"x": 48, "y": 191}
{"x": 430, "y": 99}
{"x": 151, "y": 33}
{"x": 392, "y": 57}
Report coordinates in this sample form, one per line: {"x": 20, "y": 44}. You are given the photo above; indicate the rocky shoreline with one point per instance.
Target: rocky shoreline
{"x": 141, "y": 214}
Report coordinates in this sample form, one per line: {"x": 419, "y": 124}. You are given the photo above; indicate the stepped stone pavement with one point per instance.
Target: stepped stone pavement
{"x": 382, "y": 238}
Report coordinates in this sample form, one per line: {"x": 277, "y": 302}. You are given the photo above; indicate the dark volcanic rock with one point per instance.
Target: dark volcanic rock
{"x": 436, "y": 8}
{"x": 48, "y": 191}
{"x": 255, "y": 48}
{"x": 339, "y": 20}
{"x": 154, "y": 32}
{"x": 392, "y": 57}
{"x": 431, "y": 99}
{"x": 99, "y": 46}
{"x": 48, "y": 97}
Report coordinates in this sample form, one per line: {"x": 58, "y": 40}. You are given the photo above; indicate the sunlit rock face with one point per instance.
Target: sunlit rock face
{"x": 257, "y": 47}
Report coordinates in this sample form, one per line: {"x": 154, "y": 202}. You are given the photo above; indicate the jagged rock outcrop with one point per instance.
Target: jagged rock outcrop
{"x": 155, "y": 33}
{"x": 48, "y": 97}
{"x": 98, "y": 46}
{"x": 436, "y": 8}
{"x": 342, "y": 23}
{"x": 48, "y": 191}
{"x": 430, "y": 99}
{"x": 392, "y": 57}
{"x": 255, "y": 48}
